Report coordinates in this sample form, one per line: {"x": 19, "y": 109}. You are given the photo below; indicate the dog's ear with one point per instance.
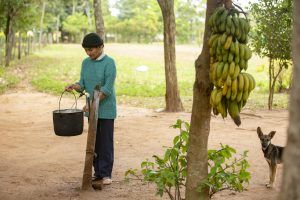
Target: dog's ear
{"x": 259, "y": 132}
{"x": 271, "y": 134}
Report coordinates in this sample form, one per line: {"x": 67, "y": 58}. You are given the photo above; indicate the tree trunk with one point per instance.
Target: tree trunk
{"x": 74, "y": 3}
{"x": 14, "y": 45}
{"x": 173, "y": 102}
{"x": 200, "y": 121}
{"x": 8, "y": 39}
{"x": 271, "y": 68}
{"x": 88, "y": 14}
{"x": 290, "y": 187}
{"x": 19, "y": 45}
{"x": 91, "y": 139}
{"x": 272, "y": 81}
{"x": 98, "y": 18}
{"x": 28, "y": 45}
{"x": 57, "y": 29}
{"x": 41, "y": 23}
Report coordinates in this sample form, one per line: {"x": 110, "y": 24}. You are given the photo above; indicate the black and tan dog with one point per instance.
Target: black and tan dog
{"x": 272, "y": 153}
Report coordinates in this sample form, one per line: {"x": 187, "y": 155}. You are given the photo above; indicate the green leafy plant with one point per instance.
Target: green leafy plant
{"x": 169, "y": 172}
{"x": 225, "y": 172}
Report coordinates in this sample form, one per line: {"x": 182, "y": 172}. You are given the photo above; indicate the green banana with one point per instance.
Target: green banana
{"x": 233, "y": 111}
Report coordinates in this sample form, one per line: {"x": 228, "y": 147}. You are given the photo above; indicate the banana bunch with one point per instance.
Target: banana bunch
{"x": 229, "y": 55}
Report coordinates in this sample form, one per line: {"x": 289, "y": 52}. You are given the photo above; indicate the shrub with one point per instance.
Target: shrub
{"x": 169, "y": 172}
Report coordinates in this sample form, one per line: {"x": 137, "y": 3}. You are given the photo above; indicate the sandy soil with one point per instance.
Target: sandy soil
{"x": 37, "y": 164}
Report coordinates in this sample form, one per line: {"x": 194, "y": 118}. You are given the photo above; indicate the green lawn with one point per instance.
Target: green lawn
{"x": 57, "y": 65}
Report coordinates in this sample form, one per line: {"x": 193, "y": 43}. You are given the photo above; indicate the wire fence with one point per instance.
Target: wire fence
{"x": 23, "y": 45}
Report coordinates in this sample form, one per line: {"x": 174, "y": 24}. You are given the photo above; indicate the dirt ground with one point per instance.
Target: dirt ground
{"x": 37, "y": 164}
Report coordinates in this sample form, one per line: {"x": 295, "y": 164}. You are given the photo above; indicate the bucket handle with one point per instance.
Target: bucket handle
{"x": 73, "y": 103}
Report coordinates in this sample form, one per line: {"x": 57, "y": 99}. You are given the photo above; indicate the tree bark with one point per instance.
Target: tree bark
{"x": 271, "y": 66}
{"x": 91, "y": 139}
{"x": 74, "y": 3}
{"x": 19, "y": 45}
{"x": 57, "y": 29}
{"x": 8, "y": 39}
{"x": 41, "y": 23}
{"x": 272, "y": 81}
{"x": 290, "y": 187}
{"x": 197, "y": 168}
{"x": 88, "y": 14}
{"x": 173, "y": 101}
{"x": 99, "y": 22}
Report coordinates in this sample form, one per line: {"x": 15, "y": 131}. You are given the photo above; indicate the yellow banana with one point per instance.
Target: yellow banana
{"x": 240, "y": 82}
{"x": 233, "y": 89}
{"x": 246, "y": 83}
{"x": 224, "y": 89}
{"x": 225, "y": 71}
{"x": 228, "y": 42}
{"x": 231, "y": 69}
{"x": 237, "y": 70}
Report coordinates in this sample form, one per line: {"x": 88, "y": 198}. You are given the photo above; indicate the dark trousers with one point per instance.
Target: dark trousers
{"x": 104, "y": 148}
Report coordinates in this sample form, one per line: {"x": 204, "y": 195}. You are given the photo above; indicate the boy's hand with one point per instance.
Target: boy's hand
{"x": 72, "y": 87}
{"x": 85, "y": 108}
{"x": 101, "y": 96}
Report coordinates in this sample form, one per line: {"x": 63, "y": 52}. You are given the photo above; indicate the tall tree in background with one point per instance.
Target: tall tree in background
{"x": 189, "y": 24}
{"x": 197, "y": 168}
{"x": 290, "y": 187}
{"x": 138, "y": 21}
{"x": 271, "y": 37}
{"x": 98, "y": 18}
{"x": 173, "y": 102}
{"x": 12, "y": 11}
{"x": 42, "y": 22}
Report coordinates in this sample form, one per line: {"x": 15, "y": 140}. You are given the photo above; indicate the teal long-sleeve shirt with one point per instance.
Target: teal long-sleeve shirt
{"x": 101, "y": 71}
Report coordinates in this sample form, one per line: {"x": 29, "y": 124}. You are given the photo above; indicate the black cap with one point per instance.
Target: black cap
{"x": 92, "y": 40}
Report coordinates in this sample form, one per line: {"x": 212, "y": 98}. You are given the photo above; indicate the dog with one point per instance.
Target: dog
{"x": 272, "y": 153}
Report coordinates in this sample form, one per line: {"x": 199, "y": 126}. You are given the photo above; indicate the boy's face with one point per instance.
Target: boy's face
{"x": 94, "y": 52}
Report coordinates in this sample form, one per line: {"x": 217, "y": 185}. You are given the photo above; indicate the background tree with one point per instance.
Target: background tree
{"x": 173, "y": 101}
{"x": 12, "y": 12}
{"x": 76, "y": 25}
{"x": 272, "y": 37}
{"x": 137, "y": 21}
{"x": 189, "y": 21}
{"x": 200, "y": 121}
{"x": 42, "y": 22}
{"x": 99, "y": 22}
{"x": 290, "y": 187}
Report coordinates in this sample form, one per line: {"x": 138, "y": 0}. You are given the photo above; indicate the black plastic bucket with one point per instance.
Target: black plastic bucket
{"x": 68, "y": 122}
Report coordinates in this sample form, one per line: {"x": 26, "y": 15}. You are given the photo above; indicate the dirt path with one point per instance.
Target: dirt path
{"x": 37, "y": 164}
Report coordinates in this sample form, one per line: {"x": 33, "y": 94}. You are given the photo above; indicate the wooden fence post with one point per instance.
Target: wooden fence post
{"x": 91, "y": 139}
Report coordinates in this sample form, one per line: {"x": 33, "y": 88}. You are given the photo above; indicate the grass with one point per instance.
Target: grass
{"x": 8, "y": 79}
{"x": 55, "y": 66}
